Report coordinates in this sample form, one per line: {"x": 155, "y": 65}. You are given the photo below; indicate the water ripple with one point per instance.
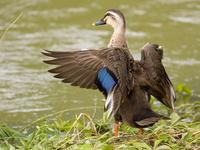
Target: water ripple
{"x": 189, "y": 62}
{"x": 185, "y": 19}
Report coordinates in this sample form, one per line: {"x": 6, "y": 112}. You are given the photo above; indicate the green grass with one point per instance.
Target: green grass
{"x": 182, "y": 131}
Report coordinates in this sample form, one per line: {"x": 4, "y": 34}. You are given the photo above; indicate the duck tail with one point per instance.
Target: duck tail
{"x": 150, "y": 117}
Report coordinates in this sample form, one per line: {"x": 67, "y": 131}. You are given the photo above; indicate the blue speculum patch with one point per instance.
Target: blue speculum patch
{"x": 106, "y": 79}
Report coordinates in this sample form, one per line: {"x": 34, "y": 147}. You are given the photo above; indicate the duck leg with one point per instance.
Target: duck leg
{"x": 116, "y": 129}
{"x": 141, "y": 131}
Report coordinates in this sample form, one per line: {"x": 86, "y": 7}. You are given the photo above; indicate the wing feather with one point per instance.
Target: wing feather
{"x": 80, "y": 68}
{"x": 154, "y": 75}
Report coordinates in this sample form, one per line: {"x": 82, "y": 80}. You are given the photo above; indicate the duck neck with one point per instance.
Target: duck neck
{"x": 118, "y": 38}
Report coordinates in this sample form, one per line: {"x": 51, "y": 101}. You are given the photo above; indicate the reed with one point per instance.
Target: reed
{"x": 182, "y": 131}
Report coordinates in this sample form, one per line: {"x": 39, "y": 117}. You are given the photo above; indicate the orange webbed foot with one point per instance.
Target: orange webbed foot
{"x": 116, "y": 129}
{"x": 141, "y": 131}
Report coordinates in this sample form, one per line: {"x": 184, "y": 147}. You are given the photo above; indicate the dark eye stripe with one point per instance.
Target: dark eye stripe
{"x": 110, "y": 15}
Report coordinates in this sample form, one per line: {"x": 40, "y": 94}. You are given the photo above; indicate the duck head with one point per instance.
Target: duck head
{"x": 114, "y": 18}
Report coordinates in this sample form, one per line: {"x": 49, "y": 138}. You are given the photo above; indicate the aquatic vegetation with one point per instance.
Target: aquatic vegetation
{"x": 182, "y": 131}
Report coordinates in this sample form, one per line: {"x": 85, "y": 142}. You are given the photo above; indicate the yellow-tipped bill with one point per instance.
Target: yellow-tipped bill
{"x": 99, "y": 22}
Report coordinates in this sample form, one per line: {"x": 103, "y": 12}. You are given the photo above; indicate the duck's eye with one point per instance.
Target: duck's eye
{"x": 108, "y": 14}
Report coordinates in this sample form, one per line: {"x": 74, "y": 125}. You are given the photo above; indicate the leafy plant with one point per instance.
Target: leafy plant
{"x": 182, "y": 131}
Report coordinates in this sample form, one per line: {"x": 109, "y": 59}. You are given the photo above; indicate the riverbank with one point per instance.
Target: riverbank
{"x": 182, "y": 131}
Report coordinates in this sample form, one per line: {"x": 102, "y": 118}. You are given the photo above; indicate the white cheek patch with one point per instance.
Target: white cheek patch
{"x": 109, "y": 21}
{"x": 116, "y": 16}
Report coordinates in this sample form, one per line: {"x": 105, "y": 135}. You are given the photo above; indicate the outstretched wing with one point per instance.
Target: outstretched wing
{"x": 105, "y": 69}
{"x": 156, "y": 79}
{"x": 78, "y": 68}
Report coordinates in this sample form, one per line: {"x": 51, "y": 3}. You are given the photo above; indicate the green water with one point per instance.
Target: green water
{"x": 28, "y": 91}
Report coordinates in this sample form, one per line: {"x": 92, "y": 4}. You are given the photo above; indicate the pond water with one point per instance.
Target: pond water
{"x": 28, "y": 91}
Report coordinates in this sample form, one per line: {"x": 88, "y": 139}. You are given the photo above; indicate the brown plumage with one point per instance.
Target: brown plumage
{"x": 149, "y": 71}
{"x": 152, "y": 76}
{"x": 130, "y": 98}
{"x": 136, "y": 110}
{"x": 127, "y": 84}
{"x": 80, "y": 68}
